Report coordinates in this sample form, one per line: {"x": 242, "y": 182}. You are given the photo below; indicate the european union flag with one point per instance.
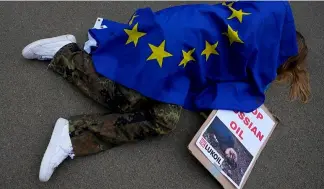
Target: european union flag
{"x": 198, "y": 56}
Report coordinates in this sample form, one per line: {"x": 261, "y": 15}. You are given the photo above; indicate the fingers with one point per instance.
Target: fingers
{"x": 235, "y": 156}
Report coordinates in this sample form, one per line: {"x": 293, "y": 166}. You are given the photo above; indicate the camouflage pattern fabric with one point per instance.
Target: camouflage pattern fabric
{"x": 131, "y": 116}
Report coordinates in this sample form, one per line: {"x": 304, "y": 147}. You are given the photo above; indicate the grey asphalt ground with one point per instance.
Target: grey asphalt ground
{"x": 32, "y": 98}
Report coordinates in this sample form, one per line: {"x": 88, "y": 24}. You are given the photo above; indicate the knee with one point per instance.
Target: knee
{"x": 166, "y": 117}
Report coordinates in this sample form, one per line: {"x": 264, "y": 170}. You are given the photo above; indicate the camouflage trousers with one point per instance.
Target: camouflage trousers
{"x": 131, "y": 116}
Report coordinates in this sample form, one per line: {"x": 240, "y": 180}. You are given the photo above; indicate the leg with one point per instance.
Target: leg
{"x": 90, "y": 134}
{"x": 95, "y": 133}
{"x": 76, "y": 66}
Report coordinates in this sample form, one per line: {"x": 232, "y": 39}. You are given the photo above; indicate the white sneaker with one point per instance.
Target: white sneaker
{"x": 58, "y": 149}
{"x": 45, "y": 49}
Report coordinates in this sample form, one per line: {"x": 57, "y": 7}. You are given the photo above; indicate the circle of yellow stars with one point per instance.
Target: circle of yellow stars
{"x": 159, "y": 53}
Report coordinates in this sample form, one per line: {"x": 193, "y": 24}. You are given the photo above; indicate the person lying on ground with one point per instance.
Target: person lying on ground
{"x": 196, "y": 57}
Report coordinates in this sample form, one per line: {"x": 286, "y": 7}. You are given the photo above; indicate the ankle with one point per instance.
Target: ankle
{"x": 67, "y": 50}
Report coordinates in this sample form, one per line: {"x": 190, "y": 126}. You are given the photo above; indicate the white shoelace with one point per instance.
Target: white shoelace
{"x": 69, "y": 151}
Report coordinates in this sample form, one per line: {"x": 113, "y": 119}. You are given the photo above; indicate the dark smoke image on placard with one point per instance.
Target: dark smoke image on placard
{"x": 236, "y": 157}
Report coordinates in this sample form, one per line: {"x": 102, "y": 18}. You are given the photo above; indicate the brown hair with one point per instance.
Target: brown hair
{"x": 294, "y": 72}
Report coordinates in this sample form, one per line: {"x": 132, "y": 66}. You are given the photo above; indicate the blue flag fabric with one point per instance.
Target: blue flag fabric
{"x": 198, "y": 56}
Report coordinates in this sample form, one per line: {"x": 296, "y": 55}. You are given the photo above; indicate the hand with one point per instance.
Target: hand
{"x": 231, "y": 153}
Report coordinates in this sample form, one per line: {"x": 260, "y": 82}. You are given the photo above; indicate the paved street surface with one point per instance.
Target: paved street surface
{"x": 32, "y": 98}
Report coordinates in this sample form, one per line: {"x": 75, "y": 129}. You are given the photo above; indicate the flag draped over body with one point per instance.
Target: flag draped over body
{"x": 198, "y": 56}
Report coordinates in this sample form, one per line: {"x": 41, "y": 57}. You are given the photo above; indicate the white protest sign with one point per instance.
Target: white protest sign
{"x": 251, "y": 129}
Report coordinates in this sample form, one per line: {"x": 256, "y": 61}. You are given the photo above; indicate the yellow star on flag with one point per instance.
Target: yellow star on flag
{"x": 132, "y": 19}
{"x": 158, "y": 53}
{"x": 210, "y": 49}
{"x": 237, "y": 14}
{"x": 229, "y": 4}
{"x": 232, "y": 35}
{"x": 134, "y": 35}
{"x": 187, "y": 57}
